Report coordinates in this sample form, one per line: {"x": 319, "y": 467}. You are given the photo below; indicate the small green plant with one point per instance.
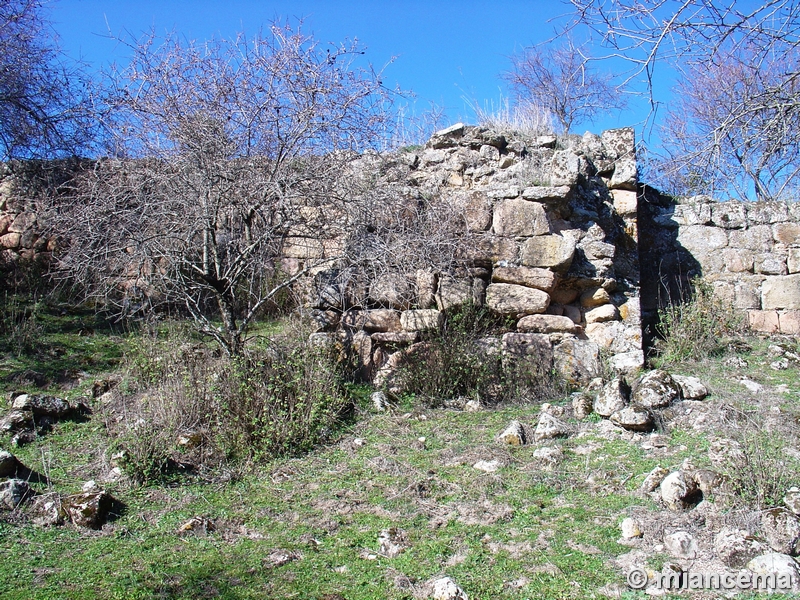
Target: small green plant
{"x": 456, "y": 362}
{"x": 20, "y": 325}
{"x": 697, "y": 328}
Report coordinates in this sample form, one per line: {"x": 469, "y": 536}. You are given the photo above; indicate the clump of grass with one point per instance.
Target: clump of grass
{"x": 21, "y": 328}
{"x": 698, "y": 328}
{"x": 525, "y": 118}
{"x": 187, "y": 403}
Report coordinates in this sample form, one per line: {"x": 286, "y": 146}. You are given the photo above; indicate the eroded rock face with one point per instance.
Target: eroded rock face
{"x": 512, "y": 299}
{"x": 782, "y": 530}
{"x": 735, "y": 547}
{"x": 88, "y": 509}
{"x": 13, "y": 492}
{"x": 633, "y": 418}
{"x": 679, "y": 491}
{"x": 612, "y": 398}
{"x": 655, "y": 389}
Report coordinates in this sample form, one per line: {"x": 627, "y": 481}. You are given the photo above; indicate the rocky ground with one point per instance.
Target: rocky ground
{"x": 688, "y": 469}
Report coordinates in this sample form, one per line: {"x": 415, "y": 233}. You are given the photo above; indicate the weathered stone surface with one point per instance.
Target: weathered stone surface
{"x": 43, "y": 406}
{"x": 679, "y": 491}
{"x": 577, "y": 361}
{"x": 447, "y": 589}
{"x": 792, "y": 500}
{"x": 655, "y": 389}
{"x": 681, "y": 544}
{"x": 379, "y": 319}
{"x": 448, "y": 137}
{"x": 633, "y": 418}
{"x": 611, "y": 398}
{"x": 781, "y": 292}
{"x": 738, "y": 260}
{"x": 547, "y": 324}
{"x": 511, "y": 299}
{"x": 630, "y": 529}
{"x": 707, "y": 480}
{"x": 625, "y": 175}
{"x": 547, "y": 194}
{"x": 786, "y": 233}
{"x": 402, "y": 338}
{"x": 654, "y": 479}
{"x": 619, "y": 142}
{"x": 691, "y": 387}
{"x": 770, "y": 264}
{"x": 421, "y": 319}
{"x": 541, "y": 279}
{"x": 426, "y": 288}
{"x": 729, "y": 215}
{"x": 793, "y": 260}
{"x": 782, "y": 530}
{"x": 490, "y": 249}
{"x": 392, "y": 290}
{"x": 513, "y": 435}
{"x": 475, "y": 208}
{"x": 698, "y": 239}
{"x": 601, "y": 314}
{"x": 22, "y": 222}
{"x": 626, "y": 362}
{"x": 13, "y": 492}
{"x": 782, "y": 566}
{"x": 517, "y": 217}
{"x": 88, "y": 509}
{"x": 764, "y": 320}
{"x": 550, "y": 427}
{"x": 532, "y": 348}
{"x": 548, "y": 251}
{"x": 16, "y": 420}
{"x": 735, "y": 547}
{"x": 582, "y": 405}
{"x": 626, "y": 202}
{"x": 757, "y": 238}
{"x": 594, "y": 297}
{"x": 789, "y": 322}
{"x": 453, "y": 291}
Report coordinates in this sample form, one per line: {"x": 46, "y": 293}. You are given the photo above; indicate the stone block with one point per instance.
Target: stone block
{"x": 737, "y": 260}
{"x": 781, "y": 293}
{"x": 22, "y": 222}
{"x": 619, "y": 142}
{"x": 421, "y": 320}
{"x": 700, "y": 238}
{"x": 546, "y": 193}
{"x": 789, "y": 322}
{"x": 379, "y": 319}
{"x": 511, "y": 299}
{"x": 786, "y": 233}
{"x": 453, "y": 291}
{"x": 760, "y": 213}
{"x": 391, "y": 290}
{"x": 626, "y": 202}
{"x": 770, "y": 264}
{"x": 757, "y": 238}
{"x": 625, "y": 175}
{"x": 516, "y": 217}
{"x": 607, "y": 312}
{"x": 533, "y": 346}
{"x": 577, "y": 361}
{"x": 489, "y": 250}
{"x": 729, "y": 215}
{"x": 548, "y": 251}
{"x": 541, "y": 279}
{"x": 547, "y": 324}
{"x": 764, "y": 320}
{"x": 594, "y": 297}
{"x": 793, "y": 260}
{"x": 426, "y": 288}
{"x": 10, "y": 241}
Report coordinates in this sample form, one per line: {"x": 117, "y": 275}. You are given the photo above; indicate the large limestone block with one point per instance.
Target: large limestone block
{"x": 392, "y": 290}
{"x": 453, "y": 291}
{"x": 577, "y": 361}
{"x": 516, "y": 217}
{"x": 757, "y": 238}
{"x": 625, "y": 175}
{"x": 548, "y": 251}
{"x": 379, "y": 319}
{"x": 699, "y": 238}
{"x": 764, "y": 320}
{"x": 22, "y": 222}
{"x": 489, "y": 250}
{"x": 781, "y": 293}
{"x": 770, "y": 264}
{"x": 618, "y": 143}
{"x": 626, "y": 202}
{"x": 730, "y": 215}
{"x": 474, "y": 207}
{"x": 534, "y": 349}
{"x": 793, "y": 260}
{"x": 541, "y": 279}
{"x": 511, "y": 299}
{"x": 789, "y": 322}
{"x": 737, "y": 260}
{"x": 601, "y": 314}
{"x": 786, "y": 233}
{"x": 547, "y": 324}
{"x": 421, "y": 320}
{"x": 546, "y": 193}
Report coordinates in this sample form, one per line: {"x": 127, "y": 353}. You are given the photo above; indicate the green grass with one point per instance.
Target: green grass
{"x": 525, "y": 531}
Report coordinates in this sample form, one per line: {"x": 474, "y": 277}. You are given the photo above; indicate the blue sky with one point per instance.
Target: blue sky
{"x": 448, "y": 52}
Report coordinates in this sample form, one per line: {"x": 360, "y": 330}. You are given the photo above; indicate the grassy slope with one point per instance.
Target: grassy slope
{"x": 525, "y": 531}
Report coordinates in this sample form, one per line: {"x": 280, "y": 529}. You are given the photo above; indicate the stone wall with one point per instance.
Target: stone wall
{"x": 748, "y": 251}
{"x": 552, "y": 245}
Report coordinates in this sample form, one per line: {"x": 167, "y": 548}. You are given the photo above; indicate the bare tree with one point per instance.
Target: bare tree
{"x": 733, "y": 128}
{"x": 228, "y": 155}
{"x": 740, "y": 55}
{"x": 44, "y": 100}
{"x": 560, "y": 78}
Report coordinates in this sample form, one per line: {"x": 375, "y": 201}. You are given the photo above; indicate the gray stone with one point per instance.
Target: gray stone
{"x": 453, "y": 291}
{"x": 655, "y": 389}
{"x": 691, "y": 387}
{"x": 782, "y": 566}
{"x": 625, "y": 175}
{"x": 392, "y": 290}
{"x": 699, "y": 238}
{"x": 792, "y": 500}
{"x": 782, "y": 530}
{"x": 630, "y": 529}
{"x": 541, "y": 279}
{"x": 729, "y": 215}
{"x": 707, "y": 480}
{"x": 679, "y": 491}
{"x": 547, "y": 324}
{"x": 87, "y": 509}
{"x": 547, "y": 194}
{"x": 654, "y": 479}
{"x": 582, "y": 405}
{"x": 633, "y": 418}
{"x": 421, "y": 320}
{"x": 757, "y": 238}
{"x": 379, "y": 319}
{"x": 43, "y": 406}
{"x": 681, "y": 544}
{"x": 602, "y": 314}
{"x": 626, "y": 363}
{"x": 445, "y": 588}
{"x": 17, "y": 420}
{"x": 781, "y": 293}
{"x": 13, "y": 492}
{"x": 770, "y": 264}
{"x": 611, "y": 398}
{"x": 735, "y": 547}
{"x": 548, "y": 251}
{"x": 516, "y": 217}
{"x": 511, "y": 299}
{"x": 513, "y": 435}
{"x": 550, "y": 427}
